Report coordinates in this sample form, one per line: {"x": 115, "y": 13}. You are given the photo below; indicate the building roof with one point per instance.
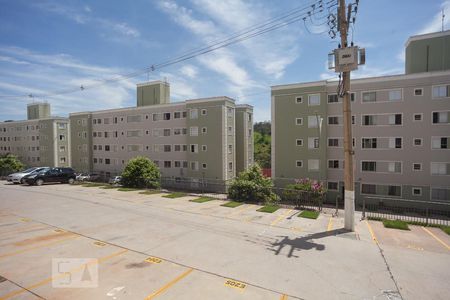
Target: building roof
{"x": 426, "y": 36}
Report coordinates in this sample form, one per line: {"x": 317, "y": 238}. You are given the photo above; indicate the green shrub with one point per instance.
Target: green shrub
{"x": 304, "y": 189}
{"x": 252, "y": 186}
{"x": 141, "y": 172}
{"x": 446, "y": 229}
{"x": 9, "y": 163}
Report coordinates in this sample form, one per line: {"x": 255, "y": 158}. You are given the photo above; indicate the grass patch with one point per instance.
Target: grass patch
{"x": 446, "y": 229}
{"x": 175, "y": 195}
{"x": 232, "y": 204}
{"x": 269, "y": 208}
{"x": 108, "y": 187}
{"x": 309, "y": 214}
{"x": 396, "y": 224}
{"x": 93, "y": 184}
{"x": 127, "y": 189}
{"x": 150, "y": 192}
{"x": 201, "y": 199}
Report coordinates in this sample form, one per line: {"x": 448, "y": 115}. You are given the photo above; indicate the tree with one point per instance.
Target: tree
{"x": 262, "y": 149}
{"x": 9, "y": 163}
{"x": 252, "y": 186}
{"x": 141, "y": 172}
{"x": 304, "y": 191}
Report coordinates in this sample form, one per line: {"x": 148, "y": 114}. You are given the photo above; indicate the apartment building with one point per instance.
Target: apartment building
{"x": 41, "y": 140}
{"x": 401, "y": 130}
{"x": 195, "y": 139}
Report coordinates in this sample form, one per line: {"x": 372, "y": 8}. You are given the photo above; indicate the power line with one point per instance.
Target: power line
{"x": 240, "y": 36}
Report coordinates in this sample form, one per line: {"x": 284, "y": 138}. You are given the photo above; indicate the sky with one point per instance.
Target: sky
{"x": 50, "y": 45}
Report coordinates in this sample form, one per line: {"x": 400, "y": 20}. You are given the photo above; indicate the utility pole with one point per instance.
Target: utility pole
{"x": 349, "y": 192}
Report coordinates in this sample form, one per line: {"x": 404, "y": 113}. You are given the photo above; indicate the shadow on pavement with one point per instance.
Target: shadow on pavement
{"x": 303, "y": 243}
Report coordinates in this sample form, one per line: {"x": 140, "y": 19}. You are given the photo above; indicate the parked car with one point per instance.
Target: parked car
{"x": 115, "y": 180}
{"x": 63, "y": 175}
{"x": 17, "y": 178}
{"x": 82, "y": 177}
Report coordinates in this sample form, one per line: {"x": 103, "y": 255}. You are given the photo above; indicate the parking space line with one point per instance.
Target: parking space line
{"x": 374, "y": 238}
{"x": 240, "y": 210}
{"x": 169, "y": 284}
{"x": 281, "y": 217}
{"x": 436, "y": 238}
{"x": 52, "y": 278}
{"x": 330, "y": 224}
{"x": 37, "y": 247}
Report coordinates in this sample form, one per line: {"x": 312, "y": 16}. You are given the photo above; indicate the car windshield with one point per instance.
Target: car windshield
{"x": 29, "y": 170}
{"x": 39, "y": 170}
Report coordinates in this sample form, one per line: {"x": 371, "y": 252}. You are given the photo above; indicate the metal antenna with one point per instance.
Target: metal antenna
{"x": 443, "y": 19}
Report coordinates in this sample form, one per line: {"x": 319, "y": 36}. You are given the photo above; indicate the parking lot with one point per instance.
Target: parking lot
{"x": 148, "y": 246}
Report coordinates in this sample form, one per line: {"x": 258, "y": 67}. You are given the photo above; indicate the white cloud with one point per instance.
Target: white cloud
{"x": 189, "y": 71}
{"x": 13, "y": 60}
{"x": 435, "y": 24}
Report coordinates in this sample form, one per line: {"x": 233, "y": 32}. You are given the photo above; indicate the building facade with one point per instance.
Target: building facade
{"x": 196, "y": 139}
{"x": 401, "y": 135}
{"x": 41, "y": 140}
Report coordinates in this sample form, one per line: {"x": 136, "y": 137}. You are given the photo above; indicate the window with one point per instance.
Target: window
{"x": 314, "y": 99}
{"x": 441, "y": 194}
{"x": 369, "y": 97}
{"x": 176, "y": 131}
{"x": 353, "y": 120}
{"x": 395, "y": 119}
{"x": 62, "y": 148}
{"x": 313, "y": 164}
{"x": 333, "y": 164}
{"x": 62, "y": 125}
{"x": 230, "y": 166}
{"x": 352, "y": 97}
{"x": 333, "y": 142}
{"x": 204, "y": 112}
{"x": 230, "y": 149}
{"x": 107, "y": 161}
{"x": 204, "y": 148}
{"x": 369, "y": 166}
{"x": 204, "y": 166}
{"x": 204, "y": 130}
{"x": 166, "y": 132}
{"x": 417, "y": 167}
{"x": 312, "y": 121}
{"x": 107, "y": 148}
{"x": 167, "y": 164}
{"x": 333, "y": 98}
{"x": 62, "y": 160}
{"x": 177, "y": 148}
{"x": 369, "y": 143}
{"x": 184, "y": 164}
{"x": 370, "y": 189}
{"x": 62, "y": 137}
{"x": 313, "y": 143}
{"x": 166, "y": 116}
{"x": 394, "y": 167}
{"x": 417, "y": 142}
{"x": 441, "y": 91}
{"x": 440, "y": 117}
{"x": 136, "y": 118}
{"x": 395, "y": 95}
{"x": 440, "y": 168}
{"x": 167, "y": 148}
{"x": 416, "y": 191}
{"x": 194, "y": 148}
{"x": 369, "y": 120}
{"x": 177, "y": 115}
{"x": 394, "y": 190}
{"x": 333, "y": 120}
{"x": 177, "y": 164}
{"x": 440, "y": 142}
{"x": 156, "y": 117}
{"x": 299, "y": 142}
{"x": 299, "y": 99}
{"x": 299, "y": 163}
{"x": 417, "y": 117}
{"x": 333, "y": 186}
{"x": 193, "y": 113}
{"x": 298, "y": 121}
{"x": 395, "y": 143}
{"x": 418, "y": 92}
{"x": 133, "y": 133}
{"x": 193, "y": 131}
{"x": 184, "y": 116}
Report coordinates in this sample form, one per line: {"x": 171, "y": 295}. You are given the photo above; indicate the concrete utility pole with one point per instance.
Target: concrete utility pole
{"x": 349, "y": 192}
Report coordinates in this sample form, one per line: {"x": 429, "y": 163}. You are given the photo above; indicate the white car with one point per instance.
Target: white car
{"x": 16, "y": 178}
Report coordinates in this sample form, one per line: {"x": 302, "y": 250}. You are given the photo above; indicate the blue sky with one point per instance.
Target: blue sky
{"x": 52, "y": 45}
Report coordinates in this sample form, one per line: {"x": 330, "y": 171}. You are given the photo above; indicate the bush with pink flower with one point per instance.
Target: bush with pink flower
{"x": 304, "y": 190}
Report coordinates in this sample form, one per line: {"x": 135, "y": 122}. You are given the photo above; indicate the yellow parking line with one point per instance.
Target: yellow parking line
{"x": 283, "y": 297}
{"x": 37, "y": 247}
{"x": 281, "y": 217}
{"x": 330, "y": 224}
{"x": 374, "y": 239}
{"x": 244, "y": 208}
{"x": 50, "y": 279}
{"x": 436, "y": 238}
{"x": 168, "y": 285}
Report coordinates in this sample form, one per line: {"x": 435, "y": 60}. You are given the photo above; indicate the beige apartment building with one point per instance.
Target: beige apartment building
{"x": 41, "y": 140}
{"x": 401, "y": 129}
{"x": 209, "y": 139}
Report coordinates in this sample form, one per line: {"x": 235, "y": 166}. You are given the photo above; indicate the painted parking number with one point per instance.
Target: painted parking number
{"x": 235, "y": 284}
{"x": 153, "y": 260}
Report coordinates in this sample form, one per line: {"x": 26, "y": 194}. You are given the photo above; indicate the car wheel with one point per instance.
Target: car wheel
{"x": 21, "y": 181}
{"x": 71, "y": 181}
{"x": 39, "y": 182}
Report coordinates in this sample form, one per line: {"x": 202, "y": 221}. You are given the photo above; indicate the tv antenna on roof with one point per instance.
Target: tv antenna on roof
{"x": 443, "y": 19}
